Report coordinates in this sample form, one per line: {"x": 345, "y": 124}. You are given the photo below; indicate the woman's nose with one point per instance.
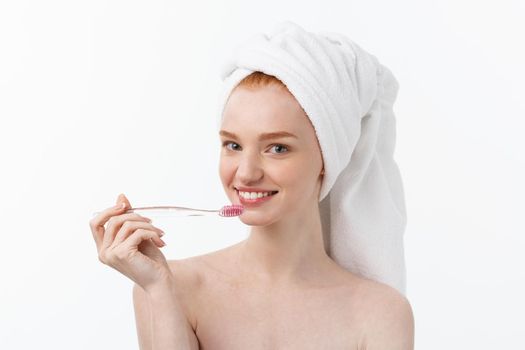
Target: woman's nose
{"x": 249, "y": 170}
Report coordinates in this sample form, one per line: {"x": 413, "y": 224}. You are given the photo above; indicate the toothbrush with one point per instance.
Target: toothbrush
{"x": 225, "y": 211}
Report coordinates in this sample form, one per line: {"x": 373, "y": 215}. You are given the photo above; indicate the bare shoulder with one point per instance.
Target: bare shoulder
{"x": 186, "y": 274}
{"x": 193, "y": 271}
{"x": 191, "y": 275}
{"x": 389, "y": 320}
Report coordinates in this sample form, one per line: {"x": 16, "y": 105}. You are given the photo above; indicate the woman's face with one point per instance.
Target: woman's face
{"x": 287, "y": 164}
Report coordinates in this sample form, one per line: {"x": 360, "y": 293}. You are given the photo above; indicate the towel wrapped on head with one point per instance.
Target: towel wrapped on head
{"x": 348, "y": 96}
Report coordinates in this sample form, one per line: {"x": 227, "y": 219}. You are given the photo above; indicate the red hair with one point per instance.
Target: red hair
{"x": 259, "y": 79}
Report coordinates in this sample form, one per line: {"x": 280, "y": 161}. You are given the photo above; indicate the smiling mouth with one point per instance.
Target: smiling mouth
{"x": 256, "y": 200}
{"x": 270, "y": 193}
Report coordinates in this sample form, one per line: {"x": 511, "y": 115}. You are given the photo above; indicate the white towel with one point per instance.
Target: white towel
{"x": 348, "y": 96}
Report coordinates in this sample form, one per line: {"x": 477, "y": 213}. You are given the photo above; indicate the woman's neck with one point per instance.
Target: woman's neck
{"x": 288, "y": 251}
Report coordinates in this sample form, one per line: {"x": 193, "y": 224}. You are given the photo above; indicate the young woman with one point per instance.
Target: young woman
{"x": 277, "y": 289}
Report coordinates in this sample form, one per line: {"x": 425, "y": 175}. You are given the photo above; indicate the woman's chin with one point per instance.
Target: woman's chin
{"x": 254, "y": 218}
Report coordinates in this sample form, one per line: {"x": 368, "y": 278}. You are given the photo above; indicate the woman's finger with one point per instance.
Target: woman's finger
{"x": 139, "y": 235}
{"x": 115, "y": 223}
{"x": 129, "y": 226}
{"x": 97, "y": 223}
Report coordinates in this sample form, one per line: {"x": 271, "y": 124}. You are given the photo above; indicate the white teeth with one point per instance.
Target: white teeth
{"x": 254, "y": 195}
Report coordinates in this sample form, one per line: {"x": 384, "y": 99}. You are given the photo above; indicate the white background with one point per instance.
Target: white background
{"x": 99, "y": 98}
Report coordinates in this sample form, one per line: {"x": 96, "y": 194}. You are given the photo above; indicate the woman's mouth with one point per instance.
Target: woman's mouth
{"x": 251, "y": 198}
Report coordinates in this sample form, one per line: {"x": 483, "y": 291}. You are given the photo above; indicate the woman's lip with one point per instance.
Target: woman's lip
{"x": 253, "y": 190}
{"x": 249, "y": 202}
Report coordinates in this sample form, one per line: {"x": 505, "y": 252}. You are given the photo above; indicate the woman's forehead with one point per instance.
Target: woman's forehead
{"x": 261, "y": 123}
{"x": 264, "y": 108}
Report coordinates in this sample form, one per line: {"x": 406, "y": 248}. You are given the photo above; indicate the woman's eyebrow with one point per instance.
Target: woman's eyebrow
{"x": 262, "y": 137}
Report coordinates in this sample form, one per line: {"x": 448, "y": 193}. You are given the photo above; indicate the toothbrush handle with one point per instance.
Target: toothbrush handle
{"x": 170, "y": 211}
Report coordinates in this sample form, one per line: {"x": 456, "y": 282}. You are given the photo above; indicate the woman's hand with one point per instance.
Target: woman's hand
{"x": 130, "y": 244}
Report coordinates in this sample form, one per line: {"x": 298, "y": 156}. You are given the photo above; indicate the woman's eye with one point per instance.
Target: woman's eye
{"x": 280, "y": 146}
{"x": 276, "y": 146}
{"x": 226, "y": 143}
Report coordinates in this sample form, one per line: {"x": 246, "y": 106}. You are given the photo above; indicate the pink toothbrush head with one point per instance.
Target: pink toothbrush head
{"x": 231, "y": 210}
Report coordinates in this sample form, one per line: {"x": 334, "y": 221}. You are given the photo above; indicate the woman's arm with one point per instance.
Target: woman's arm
{"x": 161, "y": 321}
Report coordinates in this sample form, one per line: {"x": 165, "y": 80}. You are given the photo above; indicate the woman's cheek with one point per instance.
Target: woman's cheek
{"x": 225, "y": 172}
{"x": 291, "y": 171}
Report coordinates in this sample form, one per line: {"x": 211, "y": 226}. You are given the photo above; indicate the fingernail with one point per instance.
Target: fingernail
{"x": 161, "y": 233}
{"x": 163, "y": 243}
{"x": 120, "y": 206}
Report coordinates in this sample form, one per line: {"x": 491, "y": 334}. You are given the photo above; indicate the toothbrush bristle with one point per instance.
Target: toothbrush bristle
{"x": 231, "y": 210}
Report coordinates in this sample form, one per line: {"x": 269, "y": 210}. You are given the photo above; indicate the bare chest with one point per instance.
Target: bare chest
{"x": 239, "y": 317}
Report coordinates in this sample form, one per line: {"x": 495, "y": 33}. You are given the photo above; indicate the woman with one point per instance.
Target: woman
{"x": 277, "y": 289}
